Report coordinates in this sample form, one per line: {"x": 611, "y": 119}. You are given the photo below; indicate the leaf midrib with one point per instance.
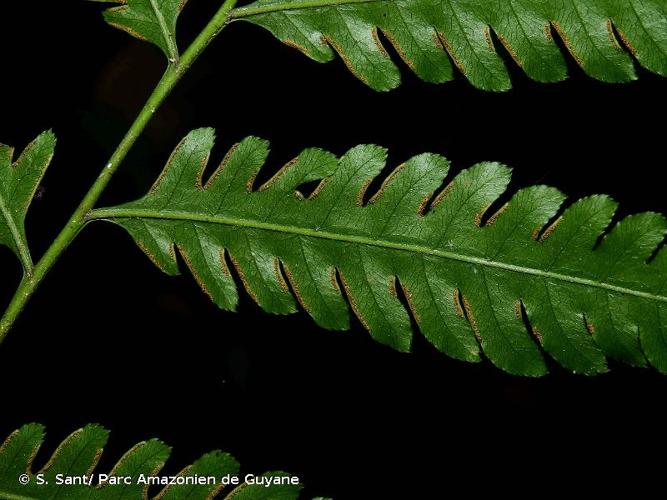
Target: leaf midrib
{"x": 133, "y": 213}
{"x": 23, "y": 251}
{"x": 250, "y": 11}
{"x": 166, "y": 32}
{"x": 646, "y": 32}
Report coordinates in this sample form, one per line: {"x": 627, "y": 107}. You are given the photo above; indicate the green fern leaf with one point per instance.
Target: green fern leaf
{"x": 78, "y": 455}
{"x": 428, "y": 33}
{"x": 150, "y": 20}
{"x": 467, "y": 281}
{"x": 18, "y": 184}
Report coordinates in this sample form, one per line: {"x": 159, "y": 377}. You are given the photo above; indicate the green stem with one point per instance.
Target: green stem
{"x": 78, "y": 219}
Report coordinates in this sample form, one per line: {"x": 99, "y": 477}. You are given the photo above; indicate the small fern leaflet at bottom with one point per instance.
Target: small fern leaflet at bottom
{"x": 78, "y": 455}
{"x": 512, "y": 285}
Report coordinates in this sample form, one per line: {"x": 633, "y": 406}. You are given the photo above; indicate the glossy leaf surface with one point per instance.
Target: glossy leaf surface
{"x": 79, "y": 453}
{"x": 434, "y": 36}
{"x": 529, "y": 280}
{"x": 150, "y": 20}
{"x": 19, "y": 181}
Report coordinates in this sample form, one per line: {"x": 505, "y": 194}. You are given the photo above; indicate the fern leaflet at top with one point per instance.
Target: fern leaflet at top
{"x": 429, "y": 35}
{"x": 150, "y": 20}
{"x": 434, "y": 36}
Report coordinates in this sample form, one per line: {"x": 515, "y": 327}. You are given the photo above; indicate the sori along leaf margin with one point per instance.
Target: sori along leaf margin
{"x": 433, "y": 37}
{"x": 505, "y": 281}
{"x": 615, "y": 305}
{"x": 71, "y": 472}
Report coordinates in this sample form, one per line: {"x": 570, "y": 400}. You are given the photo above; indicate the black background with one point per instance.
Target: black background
{"x": 109, "y": 339}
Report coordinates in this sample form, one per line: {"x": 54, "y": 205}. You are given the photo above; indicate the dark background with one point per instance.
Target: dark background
{"x": 109, "y": 339}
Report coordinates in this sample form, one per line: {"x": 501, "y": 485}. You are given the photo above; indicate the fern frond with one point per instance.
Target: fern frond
{"x": 601, "y": 36}
{"x": 469, "y": 282}
{"x": 78, "y": 455}
{"x": 150, "y": 20}
{"x": 19, "y": 181}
